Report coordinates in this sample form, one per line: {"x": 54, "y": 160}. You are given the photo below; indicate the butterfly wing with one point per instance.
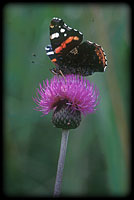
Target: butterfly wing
{"x": 53, "y": 57}
{"x": 86, "y": 59}
{"x": 63, "y": 38}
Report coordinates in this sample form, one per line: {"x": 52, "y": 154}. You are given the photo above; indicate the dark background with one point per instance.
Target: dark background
{"x": 97, "y": 162}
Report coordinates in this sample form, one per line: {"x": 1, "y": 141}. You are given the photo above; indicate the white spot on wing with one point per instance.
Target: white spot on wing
{"x": 54, "y": 35}
{"x": 62, "y": 30}
{"x": 69, "y": 27}
{"x": 56, "y": 18}
{"x": 50, "y": 53}
{"x": 105, "y": 67}
{"x": 90, "y": 42}
{"x": 46, "y": 48}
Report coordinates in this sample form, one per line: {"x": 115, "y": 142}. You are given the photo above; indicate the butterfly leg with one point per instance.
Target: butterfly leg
{"x": 60, "y": 72}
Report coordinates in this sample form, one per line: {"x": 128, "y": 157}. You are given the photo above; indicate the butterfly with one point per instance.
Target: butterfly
{"x": 70, "y": 55}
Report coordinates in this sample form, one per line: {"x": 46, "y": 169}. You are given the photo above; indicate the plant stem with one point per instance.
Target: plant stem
{"x": 63, "y": 148}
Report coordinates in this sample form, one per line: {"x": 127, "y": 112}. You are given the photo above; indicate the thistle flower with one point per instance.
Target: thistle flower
{"x": 68, "y": 97}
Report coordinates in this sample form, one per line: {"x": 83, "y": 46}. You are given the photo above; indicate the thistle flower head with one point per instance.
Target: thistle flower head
{"x": 67, "y": 97}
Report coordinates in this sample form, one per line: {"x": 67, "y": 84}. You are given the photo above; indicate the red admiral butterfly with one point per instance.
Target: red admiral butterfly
{"x": 70, "y": 55}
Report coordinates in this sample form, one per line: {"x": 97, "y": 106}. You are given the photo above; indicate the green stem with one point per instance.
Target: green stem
{"x": 63, "y": 148}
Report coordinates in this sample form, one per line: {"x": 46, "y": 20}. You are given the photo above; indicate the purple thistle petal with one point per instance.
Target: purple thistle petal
{"x": 76, "y": 90}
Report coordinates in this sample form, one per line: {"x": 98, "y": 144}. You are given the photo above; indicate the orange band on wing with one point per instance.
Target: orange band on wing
{"x": 69, "y": 40}
{"x": 63, "y": 44}
{"x": 58, "y": 49}
{"x": 54, "y": 60}
{"x": 76, "y": 38}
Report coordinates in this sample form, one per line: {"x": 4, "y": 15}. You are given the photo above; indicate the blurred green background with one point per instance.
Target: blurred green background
{"x": 97, "y": 162}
